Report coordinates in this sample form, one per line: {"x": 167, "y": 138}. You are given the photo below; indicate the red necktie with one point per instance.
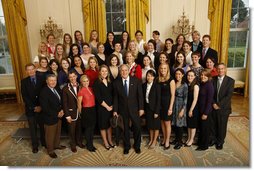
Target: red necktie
{"x": 203, "y": 53}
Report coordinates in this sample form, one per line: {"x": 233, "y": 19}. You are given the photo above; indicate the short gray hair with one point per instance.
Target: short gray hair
{"x": 50, "y": 75}
{"x": 124, "y": 65}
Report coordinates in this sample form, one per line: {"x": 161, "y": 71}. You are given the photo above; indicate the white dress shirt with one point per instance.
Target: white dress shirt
{"x": 148, "y": 88}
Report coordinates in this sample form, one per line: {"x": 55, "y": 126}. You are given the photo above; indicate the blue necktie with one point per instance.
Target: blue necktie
{"x": 125, "y": 87}
{"x": 33, "y": 81}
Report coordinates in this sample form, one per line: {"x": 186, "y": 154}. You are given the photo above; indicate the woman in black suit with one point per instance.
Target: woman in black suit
{"x": 152, "y": 96}
{"x": 103, "y": 91}
{"x": 205, "y": 102}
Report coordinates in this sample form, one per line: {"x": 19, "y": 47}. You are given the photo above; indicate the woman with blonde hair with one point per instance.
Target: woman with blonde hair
{"x": 59, "y": 55}
{"x": 86, "y": 106}
{"x": 103, "y": 90}
{"x": 42, "y": 52}
{"x": 67, "y": 42}
{"x": 167, "y": 84}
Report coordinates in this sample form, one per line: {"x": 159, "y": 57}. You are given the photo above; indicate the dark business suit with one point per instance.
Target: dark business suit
{"x": 70, "y": 108}
{"x": 51, "y": 106}
{"x": 30, "y": 94}
{"x": 199, "y": 49}
{"x": 205, "y": 101}
{"x": 210, "y": 53}
{"x": 128, "y": 107}
{"x": 220, "y": 117}
{"x": 153, "y": 107}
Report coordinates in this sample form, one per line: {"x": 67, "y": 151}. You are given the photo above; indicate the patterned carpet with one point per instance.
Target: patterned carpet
{"x": 234, "y": 153}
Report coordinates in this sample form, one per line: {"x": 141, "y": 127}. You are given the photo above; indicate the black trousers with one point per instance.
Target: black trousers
{"x": 88, "y": 119}
{"x": 204, "y": 132}
{"x": 136, "y": 127}
{"x": 75, "y": 132}
{"x": 219, "y": 122}
{"x": 34, "y": 120}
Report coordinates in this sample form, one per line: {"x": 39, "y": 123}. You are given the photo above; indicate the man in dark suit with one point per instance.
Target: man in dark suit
{"x": 196, "y": 44}
{"x": 70, "y": 108}
{"x": 224, "y": 88}
{"x": 50, "y": 100}
{"x": 30, "y": 90}
{"x": 128, "y": 102}
{"x": 207, "y": 51}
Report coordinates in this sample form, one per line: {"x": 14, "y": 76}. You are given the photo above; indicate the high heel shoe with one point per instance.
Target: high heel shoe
{"x": 112, "y": 146}
{"x": 107, "y": 147}
{"x": 162, "y": 144}
{"x": 166, "y": 148}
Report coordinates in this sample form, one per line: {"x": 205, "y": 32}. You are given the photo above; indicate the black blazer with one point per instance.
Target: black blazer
{"x": 130, "y": 105}
{"x": 31, "y": 93}
{"x": 210, "y": 53}
{"x": 199, "y": 49}
{"x": 70, "y": 106}
{"x": 225, "y": 93}
{"x": 154, "y": 96}
{"x": 50, "y": 105}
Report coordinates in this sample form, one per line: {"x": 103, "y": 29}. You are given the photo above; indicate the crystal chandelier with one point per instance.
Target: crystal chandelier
{"x": 50, "y": 27}
{"x": 183, "y": 26}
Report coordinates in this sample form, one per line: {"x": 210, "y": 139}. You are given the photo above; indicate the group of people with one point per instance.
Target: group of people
{"x": 87, "y": 85}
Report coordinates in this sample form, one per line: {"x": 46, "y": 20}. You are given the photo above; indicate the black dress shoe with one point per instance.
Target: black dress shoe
{"x": 212, "y": 143}
{"x": 91, "y": 150}
{"x": 178, "y": 146}
{"x": 126, "y": 151}
{"x": 173, "y": 142}
{"x": 201, "y": 149}
{"x": 94, "y": 148}
{"x": 35, "y": 150}
{"x": 107, "y": 147}
{"x": 74, "y": 149}
{"x": 53, "y": 155}
{"x": 81, "y": 146}
{"x": 61, "y": 147}
{"x": 219, "y": 146}
{"x": 138, "y": 151}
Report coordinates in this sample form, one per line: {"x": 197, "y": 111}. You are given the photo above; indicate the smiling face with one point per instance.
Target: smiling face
{"x": 101, "y": 48}
{"x": 59, "y": 50}
{"x": 178, "y": 76}
{"x": 30, "y": 70}
{"x": 186, "y": 47}
{"x": 132, "y": 46}
{"x": 124, "y": 71}
{"x": 110, "y": 37}
{"x": 203, "y": 77}
{"x": 150, "y": 47}
{"x": 168, "y": 44}
{"x": 209, "y": 64}
{"x": 163, "y": 59}
{"x": 65, "y": 65}
{"x": 51, "y": 82}
{"x": 146, "y": 61}
{"x": 206, "y": 42}
{"x": 92, "y": 63}
{"x": 191, "y": 76}
{"x": 77, "y": 61}
{"x": 149, "y": 78}
{"x": 44, "y": 63}
{"x": 195, "y": 59}
{"x": 113, "y": 61}
{"x": 180, "y": 58}
{"x": 73, "y": 78}
{"x": 84, "y": 82}
{"x": 129, "y": 58}
{"x": 75, "y": 50}
{"x": 54, "y": 66}
{"x": 67, "y": 39}
{"x": 163, "y": 69}
{"x": 221, "y": 69}
{"x": 86, "y": 49}
{"x": 104, "y": 72}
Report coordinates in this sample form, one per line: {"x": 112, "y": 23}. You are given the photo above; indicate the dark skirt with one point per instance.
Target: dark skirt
{"x": 88, "y": 117}
{"x": 192, "y": 122}
{"x": 151, "y": 122}
{"x": 103, "y": 118}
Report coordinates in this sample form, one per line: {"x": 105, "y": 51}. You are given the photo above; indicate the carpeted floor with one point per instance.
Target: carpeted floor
{"x": 234, "y": 153}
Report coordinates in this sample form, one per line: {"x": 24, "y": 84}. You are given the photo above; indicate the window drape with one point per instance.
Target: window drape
{"x": 16, "y": 21}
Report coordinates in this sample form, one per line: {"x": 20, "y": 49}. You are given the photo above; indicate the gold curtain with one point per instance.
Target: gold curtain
{"x": 15, "y": 20}
{"x": 137, "y": 15}
{"x": 219, "y": 13}
{"x": 94, "y": 15}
